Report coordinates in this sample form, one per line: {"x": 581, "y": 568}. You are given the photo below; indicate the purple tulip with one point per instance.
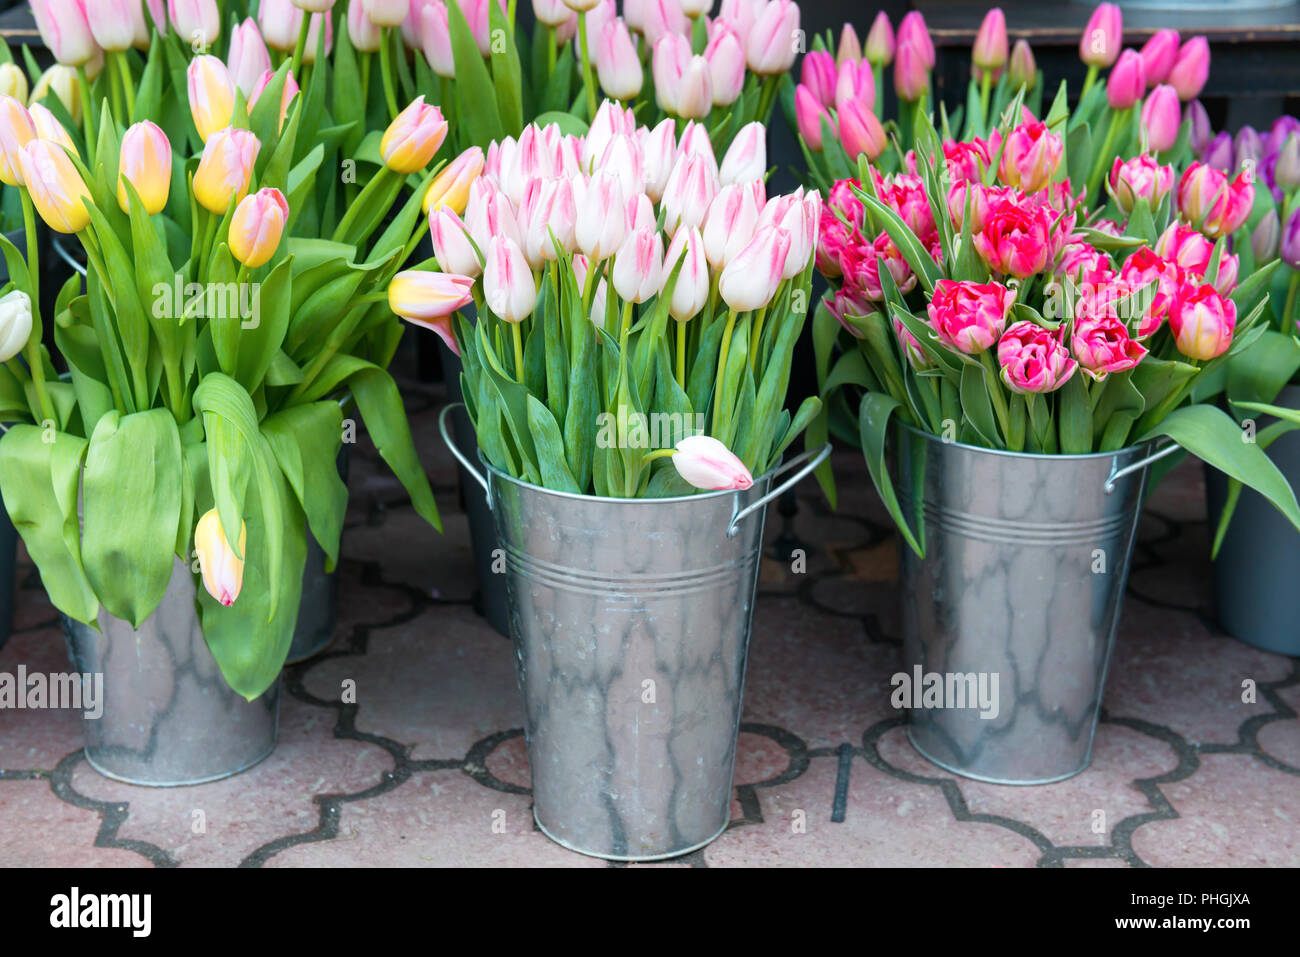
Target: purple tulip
{"x": 1264, "y": 237}
{"x": 1202, "y": 130}
{"x": 1220, "y": 154}
{"x": 1290, "y": 246}
{"x": 1286, "y": 171}
{"x": 1247, "y": 147}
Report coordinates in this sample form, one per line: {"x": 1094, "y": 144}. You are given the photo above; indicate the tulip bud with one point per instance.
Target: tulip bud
{"x": 855, "y": 81}
{"x": 257, "y": 226}
{"x": 212, "y": 95}
{"x": 601, "y": 223}
{"x": 746, "y": 158}
{"x": 280, "y": 21}
{"x": 1023, "y": 70}
{"x": 65, "y": 30}
{"x": 808, "y": 114}
{"x": 508, "y": 286}
{"x": 248, "y": 58}
{"x": 450, "y": 188}
{"x": 1287, "y": 171}
{"x": 157, "y": 14}
{"x": 617, "y": 65}
{"x": 1161, "y": 118}
{"x": 726, "y": 59}
{"x": 850, "y": 48}
{"x": 15, "y": 323}
{"x": 435, "y": 39}
{"x": 116, "y": 25}
{"x": 695, "y": 96}
{"x": 387, "y": 13}
{"x": 1159, "y": 55}
{"x": 1102, "y": 37}
{"x": 1265, "y": 236}
{"x": 411, "y": 140}
{"x": 146, "y": 163}
{"x": 1219, "y": 154}
{"x": 452, "y": 246}
{"x": 199, "y": 21}
{"x": 860, "y": 131}
{"x": 660, "y": 18}
{"x": 1289, "y": 246}
{"x": 553, "y": 13}
{"x": 49, "y": 128}
{"x": 706, "y": 463}
{"x": 13, "y": 82}
{"x": 690, "y": 190}
{"x": 692, "y": 289}
{"x": 1247, "y": 147}
{"x": 1202, "y": 322}
{"x": 1140, "y": 178}
{"x": 731, "y": 222}
{"x": 1127, "y": 81}
{"x": 57, "y": 189}
{"x": 581, "y": 6}
{"x": 1202, "y": 132}
{"x": 286, "y": 98}
{"x": 225, "y": 169}
{"x": 639, "y": 265}
{"x": 990, "y": 49}
{"x": 912, "y": 29}
{"x": 1191, "y": 69}
{"x": 17, "y": 129}
{"x": 365, "y": 34}
{"x": 818, "y": 73}
{"x": 222, "y": 569}
{"x": 911, "y": 75}
{"x": 878, "y": 49}
{"x": 63, "y": 82}
{"x": 770, "y": 46}
{"x": 752, "y": 278}
{"x": 658, "y": 157}
{"x": 671, "y": 57}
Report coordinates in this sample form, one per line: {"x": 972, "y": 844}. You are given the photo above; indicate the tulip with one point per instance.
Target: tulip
{"x": 199, "y": 21}
{"x": 969, "y": 316}
{"x": 257, "y": 227}
{"x": 692, "y": 289}
{"x": 1161, "y": 118}
{"x": 990, "y": 49}
{"x": 146, "y": 163}
{"x": 508, "y": 286}
{"x": 1191, "y": 69}
{"x": 553, "y": 13}
{"x": 1289, "y": 246}
{"x": 1219, "y": 154}
{"x": 911, "y": 75}
{"x": 1100, "y": 44}
{"x": 1247, "y": 147}
{"x": 387, "y": 13}
{"x": 622, "y": 158}
{"x": 1102, "y": 345}
{"x": 1202, "y": 322}
{"x": 912, "y": 29}
{"x": 65, "y": 30}
{"x": 363, "y": 32}
{"x": 413, "y": 137}
{"x": 49, "y": 128}
{"x": 800, "y": 220}
{"x": 15, "y": 324}
{"x": 860, "y": 131}
{"x": 1022, "y": 71}
{"x": 17, "y": 129}
{"x": 212, "y": 95}
{"x": 157, "y": 14}
{"x": 281, "y": 22}
{"x": 1286, "y": 173}
{"x": 1033, "y": 359}
{"x": 746, "y": 158}
{"x": 286, "y": 98}
{"x": 1015, "y": 239}
{"x": 855, "y": 81}
{"x": 809, "y": 114}
{"x": 222, "y": 568}
{"x": 601, "y": 224}
{"x": 1030, "y": 157}
{"x": 435, "y": 40}
{"x": 638, "y": 272}
{"x": 658, "y": 157}
{"x": 690, "y": 190}
{"x": 726, "y": 58}
{"x": 1159, "y": 55}
{"x": 1139, "y": 271}
{"x": 1140, "y": 178}
{"x": 731, "y": 222}
{"x": 491, "y": 216}
{"x": 695, "y": 95}
{"x": 55, "y": 186}
{"x": 753, "y": 276}
{"x": 770, "y": 46}
{"x": 611, "y": 120}
{"x": 659, "y": 18}
{"x": 1265, "y": 236}
{"x": 225, "y": 169}
{"x": 695, "y": 8}
{"x": 248, "y": 58}
{"x": 314, "y": 6}
{"x": 450, "y": 188}
{"x": 1202, "y": 131}
{"x": 426, "y": 297}
{"x": 452, "y": 246}
{"x": 708, "y": 464}
{"x": 695, "y": 142}
{"x": 671, "y": 56}
{"x": 13, "y": 82}
{"x": 818, "y": 73}
{"x": 878, "y": 48}
{"x": 547, "y": 216}
{"x": 617, "y": 65}
{"x": 63, "y": 82}
{"x": 1127, "y": 81}
{"x": 116, "y": 25}
{"x": 1213, "y": 204}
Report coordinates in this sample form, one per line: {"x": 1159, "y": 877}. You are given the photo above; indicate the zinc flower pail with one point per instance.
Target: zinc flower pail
{"x": 168, "y": 717}
{"x": 317, "y": 612}
{"x": 631, "y": 621}
{"x": 1009, "y": 620}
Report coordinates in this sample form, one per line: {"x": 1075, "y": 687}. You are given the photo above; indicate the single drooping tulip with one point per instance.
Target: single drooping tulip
{"x": 116, "y": 25}
{"x": 911, "y": 75}
{"x": 386, "y": 13}
{"x": 248, "y": 58}
{"x": 726, "y": 58}
{"x": 878, "y": 48}
{"x": 860, "y": 131}
{"x": 222, "y": 569}
{"x": 451, "y": 244}
{"x": 199, "y": 21}
{"x": 990, "y": 49}
{"x": 212, "y": 95}
{"x": 429, "y": 299}
{"x": 1264, "y": 238}
{"x": 56, "y": 188}
{"x": 1202, "y": 322}
{"x": 617, "y": 65}
{"x": 692, "y": 289}
{"x": 969, "y": 316}
{"x": 1022, "y": 70}
{"x": 411, "y": 140}
{"x": 1159, "y": 55}
{"x": 225, "y": 169}
{"x": 508, "y": 286}
{"x": 770, "y": 46}
{"x": 1127, "y": 81}
{"x": 752, "y": 278}
{"x": 1191, "y": 69}
{"x": 450, "y": 188}
{"x": 746, "y": 157}
{"x": 1102, "y": 37}
{"x": 435, "y": 39}
{"x": 146, "y": 163}
{"x": 15, "y": 323}
{"x": 706, "y": 463}
{"x": 639, "y": 265}
{"x": 17, "y": 129}
{"x": 1161, "y": 118}
{"x": 65, "y": 30}
{"x": 1033, "y": 359}
{"x": 257, "y": 227}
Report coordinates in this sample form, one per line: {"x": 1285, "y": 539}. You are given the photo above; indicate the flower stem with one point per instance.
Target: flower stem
{"x": 994, "y": 384}
{"x": 682, "y": 331}
{"x": 33, "y": 347}
{"x": 587, "y": 81}
{"x": 128, "y": 85}
{"x": 1288, "y": 313}
{"x": 722, "y": 363}
{"x": 386, "y": 71}
{"x": 301, "y": 46}
{"x": 519, "y": 351}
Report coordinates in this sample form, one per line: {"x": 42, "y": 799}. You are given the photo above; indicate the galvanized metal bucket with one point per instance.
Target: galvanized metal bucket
{"x": 169, "y": 718}
{"x": 631, "y": 622}
{"x": 317, "y": 612}
{"x": 8, "y": 563}
{"x": 1009, "y": 621}
{"x": 1257, "y": 572}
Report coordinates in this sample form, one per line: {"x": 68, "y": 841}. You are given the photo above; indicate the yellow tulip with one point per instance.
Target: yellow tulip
{"x": 13, "y": 82}
{"x": 57, "y": 189}
{"x": 49, "y": 128}
{"x": 212, "y": 95}
{"x": 145, "y": 162}
{"x": 222, "y": 569}
{"x": 257, "y": 226}
{"x": 62, "y": 82}
{"x": 17, "y": 129}
{"x": 225, "y": 169}
{"x": 450, "y": 188}
{"x": 411, "y": 140}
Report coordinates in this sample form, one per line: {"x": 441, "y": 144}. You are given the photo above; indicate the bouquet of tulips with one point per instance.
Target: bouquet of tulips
{"x": 205, "y": 359}
{"x": 994, "y": 316}
{"x": 636, "y": 301}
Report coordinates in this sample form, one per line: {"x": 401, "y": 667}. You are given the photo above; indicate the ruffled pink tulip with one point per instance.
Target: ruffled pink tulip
{"x": 1140, "y": 270}
{"x": 1016, "y": 238}
{"x": 1202, "y": 322}
{"x": 970, "y": 316}
{"x": 1030, "y": 157}
{"x": 1141, "y": 178}
{"x": 1033, "y": 359}
{"x": 1102, "y": 345}
{"x": 1207, "y": 200}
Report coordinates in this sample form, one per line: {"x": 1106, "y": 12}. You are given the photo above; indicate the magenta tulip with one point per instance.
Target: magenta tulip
{"x": 1161, "y": 118}
{"x": 1191, "y": 69}
{"x": 1127, "y": 81}
{"x": 1033, "y": 359}
{"x": 1100, "y": 44}
{"x": 1159, "y": 55}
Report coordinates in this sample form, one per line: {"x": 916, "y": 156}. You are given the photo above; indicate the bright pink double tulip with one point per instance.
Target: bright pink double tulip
{"x": 1033, "y": 359}
{"x": 1140, "y": 178}
{"x": 1016, "y": 238}
{"x": 1102, "y": 345}
{"x": 1207, "y": 199}
{"x": 970, "y": 316}
{"x": 1030, "y": 157}
{"x": 1202, "y": 322}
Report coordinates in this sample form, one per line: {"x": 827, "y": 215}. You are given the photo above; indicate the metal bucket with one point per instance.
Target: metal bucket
{"x": 1255, "y": 574}
{"x": 169, "y": 718}
{"x": 1009, "y": 621}
{"x": 631, "y": 621}
{"x": 317, "y": 612}
{"x": 8, "y": 561}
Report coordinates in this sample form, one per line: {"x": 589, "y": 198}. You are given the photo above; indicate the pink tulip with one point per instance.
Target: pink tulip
{"x": 386, "y": 13}
{"x": 1030, "y": 157}
{"x": 1033, "y": 359}
{"x": 145, "y": 161}
{"x": 1210, "y": 202}
{"x": 1161, "y": 118}
{"x": 286, "y": 98}
{"x": 314, "y": 6}
{"x": 695, "y": 95}
{"x": 617, "y": 64}
{"x": 117, "y": 24}
{"x": 1202, "y": 322}
{"x": 199, "y": 21}
{"x": 1102, "y": 37}
{"x": 663, "y": 17}
{"x": 225, "y": 168}
{"x": 809, "y": 114}
{"x": 691, "y": 188}
{"x": 771, "y": 45}
{"x": 65, "y": 30}
{"x": 1127, "y": 81}
{"x": 429, "y": 299}
{"x": 365, "y": 34}
{"x": 435, "y": 39}
{"x": 731, "y": 222}
{"x": 601, "y": 222}
{"x": 222, "y": 570}
{"x": 801, "y": 220}
{"x": 158, "y": 14}
{"x": 313, "y": 36}
{"x": 211, "y": 93}
{"x": 1016, "y": 238}
{"x": 508, "y": 286}
{"x": 860, "y": 131}
{"x": 746, "y": 158}
{"x": 547, "y": 216}
{"x": 850, "y": 47}
{"x": 1022, "y": 71}
{"x": 1102, "y": 345}
{"x": 911, "y": 75}
{"x": 969, "y": 316}
{"x": 695, "y": 142}
{"x": 855, "y": 81}
{"x": 17, "y": 129}
{"x": 639, "y": 265}
{"x": 753, "y": 277}
{"x": 622, "y": 159}
{"x": 451, "y": 244}
{"x": 692, "y": 289}
{"x": 818, "y": 74}
{"x": 248, "y": 58}
{"x": 413, "y": 138}
{"x": 658, "y": 157}
{"x": 612, "y": 119}
{"x": 1191, "y": 69}
{"x": 280, "y": 21}
{"x": 878, "y": 48}
{"x": 726, "y": 59}
{"x": 1141, "y": 178}
{"x": 990, "y": 49}
{"x": 695, "y": 8}
{"x": 257, "y": 227}
{"x": 912, "y": 29}
{"x": 1159, "y": 54}
{"x": 490, "y": 215}
{"x": 672, "y": 55}
{"x": 708, "y": 464}
{"x": 1139, "y": 271}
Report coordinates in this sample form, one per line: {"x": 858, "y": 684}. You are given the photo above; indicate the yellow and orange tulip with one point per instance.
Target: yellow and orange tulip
{"x": 57, "y": 189}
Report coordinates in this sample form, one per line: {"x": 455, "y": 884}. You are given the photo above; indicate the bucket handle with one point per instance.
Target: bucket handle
{"x": 447, "y": 440}
{"x": 1117, "y": 473}
{"x": 817, "y": 456}
{"x": 67, "y": 257}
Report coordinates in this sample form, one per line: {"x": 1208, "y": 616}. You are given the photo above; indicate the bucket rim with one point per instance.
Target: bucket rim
{"x": 1128, "y": 450}
{"x": 703, "y": 496}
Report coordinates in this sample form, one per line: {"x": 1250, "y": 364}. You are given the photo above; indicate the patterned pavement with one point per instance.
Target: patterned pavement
{"x": 428, "y": 767}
